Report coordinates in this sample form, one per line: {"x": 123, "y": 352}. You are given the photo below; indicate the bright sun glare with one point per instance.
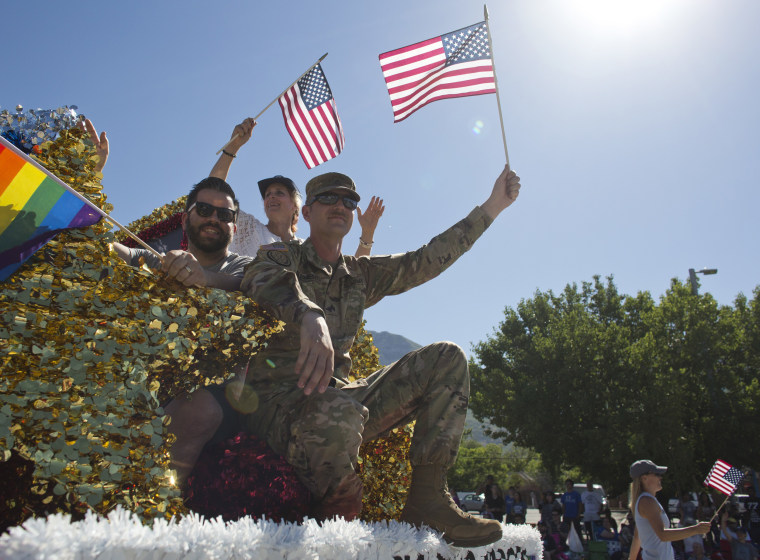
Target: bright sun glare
{"x": 624, "y": 16}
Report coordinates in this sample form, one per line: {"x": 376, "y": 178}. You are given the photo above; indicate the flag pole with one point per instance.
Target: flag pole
{"x": 717, "y": 511}
{"x": 496, "y": 82}
{"x": 80, "y": 196}
{"x": 275, "y": 99}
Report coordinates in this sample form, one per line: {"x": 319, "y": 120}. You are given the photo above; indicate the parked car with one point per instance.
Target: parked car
{"x": 470, "y": 501}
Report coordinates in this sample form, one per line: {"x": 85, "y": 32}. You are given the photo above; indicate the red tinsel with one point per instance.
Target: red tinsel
{"x": 158, "y": 230}
{"x": 243, "y": 476}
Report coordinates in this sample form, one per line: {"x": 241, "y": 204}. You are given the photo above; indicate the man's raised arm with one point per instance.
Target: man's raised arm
{"x": 394, "y": 274}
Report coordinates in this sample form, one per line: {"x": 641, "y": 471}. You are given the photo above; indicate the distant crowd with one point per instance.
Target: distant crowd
{"x": 571, "y": 521}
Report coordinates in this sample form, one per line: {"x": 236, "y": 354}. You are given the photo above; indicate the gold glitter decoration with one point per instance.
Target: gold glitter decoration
{"x": 90, "y": 347}
{"x": 383, "y": 463}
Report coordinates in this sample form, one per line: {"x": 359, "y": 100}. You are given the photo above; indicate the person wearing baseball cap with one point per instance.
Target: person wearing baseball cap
{"x": 282, "y": 205}
{"x": 652, "y": 537}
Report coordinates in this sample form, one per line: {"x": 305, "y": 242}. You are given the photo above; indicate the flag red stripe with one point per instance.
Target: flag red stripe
{"x": 401, "y": 115}
{"x": 445, "y": 73}
{"x": 307, "y": 130}
{"x": 10, "y": 165}
{"x": 467, "y": 87}
{"x": 296, "y": 130}
{"x": 402, "y": 50}
{"x": 413, "y": 62}
{"x": 321, "y": 117}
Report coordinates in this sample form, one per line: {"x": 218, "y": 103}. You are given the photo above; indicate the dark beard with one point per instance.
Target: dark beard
{"x": 207, "y": 245}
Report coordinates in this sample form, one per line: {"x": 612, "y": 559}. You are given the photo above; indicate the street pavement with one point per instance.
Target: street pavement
{"x": 534, "y": 516}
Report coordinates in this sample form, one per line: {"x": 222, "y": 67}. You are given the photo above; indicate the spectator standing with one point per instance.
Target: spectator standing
{"x": 549, "y": 506}
{"x": 687, "y": 510}
{"x": 705, "y": 512}
{"x": 741, "y": 548}
{"x": 752, "y": 515}
{"x": 455, "y": 496}
{"x": 519, "y": 509}
{"x": 493, "y": 503}
{"x": 592, "y": 505}
{"x": 705, "y": 508}
{"x": 509, "y": 502}
{"x": 728, "y": 526}
{"x": 571, "y": 505}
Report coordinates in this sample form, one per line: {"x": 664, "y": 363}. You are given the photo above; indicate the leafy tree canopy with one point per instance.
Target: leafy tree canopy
{"x": 594, "y": 379}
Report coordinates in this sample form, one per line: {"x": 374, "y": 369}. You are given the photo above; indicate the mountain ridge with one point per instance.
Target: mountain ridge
{"x": 391, "y": 347}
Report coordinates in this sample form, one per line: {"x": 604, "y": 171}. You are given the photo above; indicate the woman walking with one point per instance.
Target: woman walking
{"x": 651, "y": 535}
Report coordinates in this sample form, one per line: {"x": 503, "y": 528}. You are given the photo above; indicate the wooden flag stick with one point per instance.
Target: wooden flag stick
{"x": 496, "y": 82}
{"x": 81, "y": 197}
{"x": 725, "y": 501}
{"x": 275, "y": 99}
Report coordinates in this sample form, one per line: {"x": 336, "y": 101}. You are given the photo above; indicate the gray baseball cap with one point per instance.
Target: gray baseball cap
{"x": 645, "y": 466}
{"x": 279, "y": 179}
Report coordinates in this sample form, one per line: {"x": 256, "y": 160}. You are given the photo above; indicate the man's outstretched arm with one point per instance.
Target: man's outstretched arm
{"x": 394, "y": 274}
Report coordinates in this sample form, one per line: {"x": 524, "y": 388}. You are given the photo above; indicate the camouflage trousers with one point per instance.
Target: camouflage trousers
{"x": 320, "y": 434}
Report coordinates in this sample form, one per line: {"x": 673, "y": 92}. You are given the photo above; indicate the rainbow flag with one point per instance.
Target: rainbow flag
{"x": 34, "y": 206}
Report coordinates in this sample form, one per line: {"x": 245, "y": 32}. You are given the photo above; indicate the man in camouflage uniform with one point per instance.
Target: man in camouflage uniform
{"x": 298, "y": 394}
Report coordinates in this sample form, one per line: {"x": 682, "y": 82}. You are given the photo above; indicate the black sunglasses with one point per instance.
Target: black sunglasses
{"x": 329, "y": 199}
{"x": 205, "y": 210}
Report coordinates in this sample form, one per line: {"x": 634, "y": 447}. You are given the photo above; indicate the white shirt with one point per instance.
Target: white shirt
{"x": 592, "y": 504}
{"x": 250, "y": 235}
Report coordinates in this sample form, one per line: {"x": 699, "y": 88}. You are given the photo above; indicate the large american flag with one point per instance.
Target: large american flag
{"x": 453, "y": 65}
{"x": 724, "y": 477}
{"x": 312, "y": 119}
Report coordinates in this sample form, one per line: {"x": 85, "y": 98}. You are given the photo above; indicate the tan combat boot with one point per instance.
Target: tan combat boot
{"x": 429, "y": 503}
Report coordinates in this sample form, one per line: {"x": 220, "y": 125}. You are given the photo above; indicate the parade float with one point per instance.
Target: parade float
{"x": 89, "y": 350}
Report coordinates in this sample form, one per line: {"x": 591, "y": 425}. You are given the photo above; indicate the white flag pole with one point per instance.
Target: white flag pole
{"x": 496, "y": 82}
{"x": 275, "y": 99}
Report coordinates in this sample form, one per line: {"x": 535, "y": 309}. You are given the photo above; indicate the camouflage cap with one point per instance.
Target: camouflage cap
{"x": 328, "y": 182}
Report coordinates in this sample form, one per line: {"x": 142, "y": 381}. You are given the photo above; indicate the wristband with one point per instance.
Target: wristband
{"x": 226, "y": 153}
{"x": 365, "y": 244}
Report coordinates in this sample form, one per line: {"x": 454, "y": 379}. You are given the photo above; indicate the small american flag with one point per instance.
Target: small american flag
{"x": 724, "y": 477}
{"x": 453, "y": 65}
{"x": 312, "y": 118}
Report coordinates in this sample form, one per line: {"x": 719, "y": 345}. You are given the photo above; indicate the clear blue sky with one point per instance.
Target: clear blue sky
{"x": 635, "y": 126}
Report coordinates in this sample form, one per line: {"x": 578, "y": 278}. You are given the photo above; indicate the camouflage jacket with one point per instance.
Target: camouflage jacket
{"x": 290, "y": 279}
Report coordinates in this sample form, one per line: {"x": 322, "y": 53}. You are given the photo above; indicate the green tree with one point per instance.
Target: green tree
{"x": 594, "y": 379}
{"x": 508, "y": 465}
